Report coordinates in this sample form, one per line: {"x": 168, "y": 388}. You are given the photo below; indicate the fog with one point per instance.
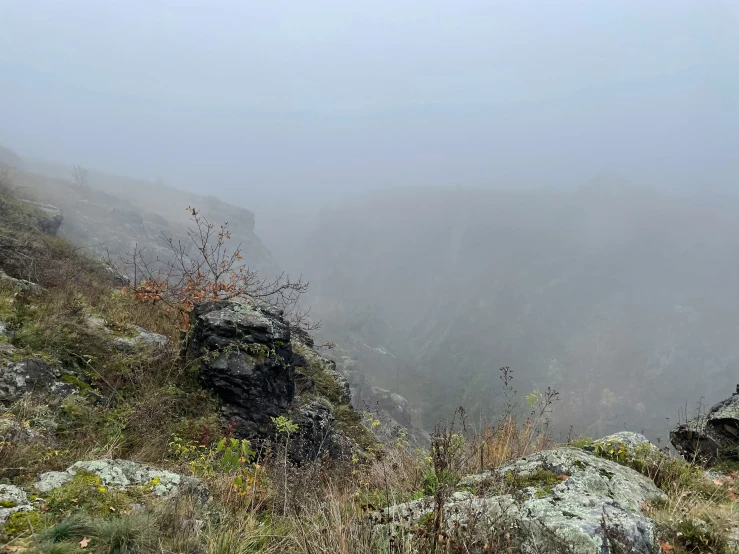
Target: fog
{"x": 263, "y": 100}
{"x": 545, "y": 185}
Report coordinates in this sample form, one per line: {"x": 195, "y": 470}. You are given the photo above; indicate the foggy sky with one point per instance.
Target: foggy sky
{"x": 253, "y": 101}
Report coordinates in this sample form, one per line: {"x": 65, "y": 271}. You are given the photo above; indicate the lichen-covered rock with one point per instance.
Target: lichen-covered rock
{"x": 21, "y": 285}
{"x": 630, "y": 439}
{"x": 558, "y": 497}
{"x": 316, "y": 435}
{"x": 5, "y": 330}
{"x": 12, "y": 500}
{"x": 124, "y": 474}
{"x": 246, "y": 359}
{"x": 136, "y": 337}
{"x": 21, "y": 377}
{"x": 142, "y": 338}
{"x": 711, "y": 438}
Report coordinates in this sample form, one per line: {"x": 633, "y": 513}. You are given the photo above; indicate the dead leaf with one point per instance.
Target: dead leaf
{"x": 718, "y": 482}
{"x": 84, "y": 542}
{"x": 563, "y": 477}
{"x": 666, "y": 547}
{"x": 734, "y": 496}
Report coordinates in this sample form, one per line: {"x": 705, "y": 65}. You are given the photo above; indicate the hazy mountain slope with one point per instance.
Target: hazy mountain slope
{"x": 115, "y": 213}
{"x": 622, "y": 299}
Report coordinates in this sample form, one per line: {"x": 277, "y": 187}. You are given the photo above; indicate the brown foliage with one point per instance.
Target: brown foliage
{"x": 204, "y": 268}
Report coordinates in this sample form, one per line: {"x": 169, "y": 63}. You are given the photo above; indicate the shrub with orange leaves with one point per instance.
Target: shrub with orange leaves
{"x": 203, "y": 268}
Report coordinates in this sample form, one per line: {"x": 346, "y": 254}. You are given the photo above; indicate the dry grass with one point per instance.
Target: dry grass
{"x": 497, "y": 444}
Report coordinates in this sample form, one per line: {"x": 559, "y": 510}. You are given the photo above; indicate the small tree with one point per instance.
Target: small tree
{"x": 79, "y": 174}
{"x": 203, "y": 268}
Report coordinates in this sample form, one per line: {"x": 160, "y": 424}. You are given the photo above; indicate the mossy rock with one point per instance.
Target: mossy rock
{"x": 328, "y": 382}
{"x": 22, "y": 523}
{"x": 349, "y": 421}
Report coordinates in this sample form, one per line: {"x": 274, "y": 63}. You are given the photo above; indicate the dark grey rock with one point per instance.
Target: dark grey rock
{"x": 316, "y": 436}
{"x": 21, "y": 377}
{"x": 711, "y": 438}
{"x": 246, "y": 358}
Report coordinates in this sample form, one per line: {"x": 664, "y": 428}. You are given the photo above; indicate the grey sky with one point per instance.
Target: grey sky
{"x": 253, "y": 100}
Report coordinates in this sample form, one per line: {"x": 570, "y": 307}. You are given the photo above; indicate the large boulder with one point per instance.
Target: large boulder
{"x": 711, "y": 438}
{"x": 246, "y": 359}
{"x": 559, "y": 499}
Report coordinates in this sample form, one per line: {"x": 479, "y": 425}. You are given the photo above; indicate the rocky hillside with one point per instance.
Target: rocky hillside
{"x": 120, "y": 434}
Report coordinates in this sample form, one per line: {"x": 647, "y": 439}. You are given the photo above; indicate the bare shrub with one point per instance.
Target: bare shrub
{"x": 204, "y": 268}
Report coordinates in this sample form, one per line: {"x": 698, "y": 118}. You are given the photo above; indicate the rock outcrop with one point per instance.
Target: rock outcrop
{"x": 564, "y": 497}
{"x": 261, "y": 369}
{"x": 711, "y": 438}
{"x": 317, "y": 434}
{"x": 20, "y": 285}
{"x": 246, "y": 359}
